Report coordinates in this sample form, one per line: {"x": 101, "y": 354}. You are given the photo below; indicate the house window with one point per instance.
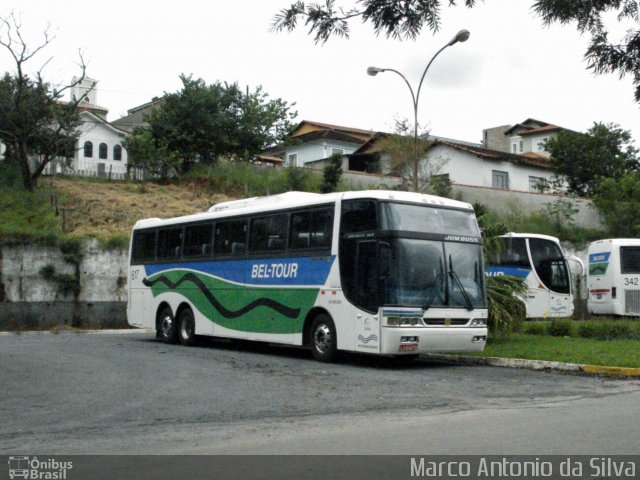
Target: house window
{"x": 514, "y": 148}
{"x": 117, "y": 152}
{"x": 521, "y": 146}
{"x": 500, "y": 180}
{"x": 337, "y": 151}
{"x": 292, "y": 160}
{"x": 88, "y": 149}
{"x": 102, "y": 151}
{"x": 536, "y": 184}
{"x": 540, "y": 144}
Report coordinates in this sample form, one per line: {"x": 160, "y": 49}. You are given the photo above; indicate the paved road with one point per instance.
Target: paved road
{"x": 127, "y": 393}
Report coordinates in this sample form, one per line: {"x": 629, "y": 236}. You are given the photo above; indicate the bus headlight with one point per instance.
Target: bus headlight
{"x": 478, "y": 322}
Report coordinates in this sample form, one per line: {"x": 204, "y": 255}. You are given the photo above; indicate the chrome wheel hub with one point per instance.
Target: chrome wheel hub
{"x": 167, "y": 325}
{"x": 322, "y": 338}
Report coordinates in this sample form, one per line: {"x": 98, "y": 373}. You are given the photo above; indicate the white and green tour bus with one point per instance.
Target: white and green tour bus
{"x": 542, "y": 265}
{"x": 613, "y": 278}
{"x": 381, "y": 272}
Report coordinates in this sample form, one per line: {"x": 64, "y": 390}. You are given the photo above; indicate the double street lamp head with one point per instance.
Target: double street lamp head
{"x": 461, "y": 36}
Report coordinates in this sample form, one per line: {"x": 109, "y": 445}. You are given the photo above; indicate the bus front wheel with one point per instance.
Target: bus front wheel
{"x": 323, "y": 339}
{"x": 167, "y": 326}
{"x": 187, "y": 324}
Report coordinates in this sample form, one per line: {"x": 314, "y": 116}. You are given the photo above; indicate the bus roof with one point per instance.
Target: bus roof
{"x": 530, "y": 235}
{"x": 612, "y": 242}
{"x": 297, "y": 200}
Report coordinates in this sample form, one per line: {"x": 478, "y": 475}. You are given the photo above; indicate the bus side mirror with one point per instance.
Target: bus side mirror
{"x": 384, "y": 259}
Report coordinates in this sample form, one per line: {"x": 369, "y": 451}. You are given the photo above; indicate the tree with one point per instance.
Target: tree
{"x": 36, "y": 126}
{"x": 400, "y": 148}
{"x": 583, "y": 160}
{"x": 331, "y": 174}
{"x": 618, "y": 200}
{"x": 202, "y": 123}
{"x": 406, "y": 19}
{"x": 505, "y": 294}
{"x": 144, "y": 153}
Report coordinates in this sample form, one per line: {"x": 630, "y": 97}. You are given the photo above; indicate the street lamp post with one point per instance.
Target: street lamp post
{"x": 461, "y": 36}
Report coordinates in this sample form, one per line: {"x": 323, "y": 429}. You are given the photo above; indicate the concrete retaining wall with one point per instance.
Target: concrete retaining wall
{"x": 505, "y": 201}
{"x": 28, "y": 299}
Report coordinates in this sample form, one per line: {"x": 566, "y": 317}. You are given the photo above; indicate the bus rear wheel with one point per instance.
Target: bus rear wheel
{"x": 187, "y": 323}
{"x": 167, "y": 328}
{"x": 323, "y": 340}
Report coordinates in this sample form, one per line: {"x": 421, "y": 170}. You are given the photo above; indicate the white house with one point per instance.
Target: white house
{"x": 511, "y": 157}
{"x": 99, "y": 151}
{"x": 465, "y": 164}
{"x": 313, "y": 141}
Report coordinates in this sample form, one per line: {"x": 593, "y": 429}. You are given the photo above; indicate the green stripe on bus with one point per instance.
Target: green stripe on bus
{"x": 239, "y": 307}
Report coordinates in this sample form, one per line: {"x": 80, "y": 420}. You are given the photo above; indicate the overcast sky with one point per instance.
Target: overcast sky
{"x": 510, "y": 69}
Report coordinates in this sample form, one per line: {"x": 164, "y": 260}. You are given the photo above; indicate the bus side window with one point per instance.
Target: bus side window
{"x": 321, "y": 229}
{"x": 144, "y": 247}
{"x": 169, "y": 244}
{"x": 197, "y": 240}
{"x": 268, "y": 233}
{"x": 230, "y": 237}
{"x": 311, "y": 229}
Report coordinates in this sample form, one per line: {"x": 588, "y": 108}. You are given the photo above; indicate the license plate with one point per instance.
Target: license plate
{"x": 409, "y": 347}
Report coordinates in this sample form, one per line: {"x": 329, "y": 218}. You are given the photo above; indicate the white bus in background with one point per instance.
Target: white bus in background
{"x": 381, "y": 272}
{"x": 614, "y": 277}
{"x": 540, "y": 262}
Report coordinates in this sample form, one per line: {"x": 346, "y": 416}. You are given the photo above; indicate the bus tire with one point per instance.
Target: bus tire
{"x": 187, "y": 327}
{"x": 167, "y": 326}
{"x": 323, "y": 340}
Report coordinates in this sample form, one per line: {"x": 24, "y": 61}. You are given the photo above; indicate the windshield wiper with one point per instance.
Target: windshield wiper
{"x": 456, "y": 279}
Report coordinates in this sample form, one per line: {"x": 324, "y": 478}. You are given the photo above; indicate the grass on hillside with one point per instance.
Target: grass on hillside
{"x": 88, "y": 208}
{"x": 28, "y": 216}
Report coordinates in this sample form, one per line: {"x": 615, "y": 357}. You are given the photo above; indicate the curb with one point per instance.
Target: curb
{"x": 536, "y": 365}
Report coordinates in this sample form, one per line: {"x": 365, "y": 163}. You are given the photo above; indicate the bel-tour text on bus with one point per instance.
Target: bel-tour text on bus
{"x": 274, "y": 270}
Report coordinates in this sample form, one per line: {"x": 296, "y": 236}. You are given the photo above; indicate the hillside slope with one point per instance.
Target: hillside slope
{"x": 108, "y": 209}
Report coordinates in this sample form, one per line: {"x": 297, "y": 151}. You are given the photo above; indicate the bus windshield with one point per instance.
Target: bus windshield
{"x": 550, "y": 265}
{"x": 428, "y": 273}
{"x": 418, "y": 218}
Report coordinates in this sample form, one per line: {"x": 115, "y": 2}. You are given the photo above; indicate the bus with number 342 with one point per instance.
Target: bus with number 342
{"x": 379, "y": 272}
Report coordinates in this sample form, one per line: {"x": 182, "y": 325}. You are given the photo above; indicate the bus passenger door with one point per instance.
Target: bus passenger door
{"x": 367, "y": 281}
{"x": 367, "y": 289}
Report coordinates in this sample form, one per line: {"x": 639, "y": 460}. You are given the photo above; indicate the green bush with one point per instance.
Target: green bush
{"x": 28, "y": 217}
{"x": 116, "y": 242}
{"x": 605, "y": 330}
{"x": 534, "y": 328}
{"x": 560, "y": 328}
{"x": 244, "y": 179}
